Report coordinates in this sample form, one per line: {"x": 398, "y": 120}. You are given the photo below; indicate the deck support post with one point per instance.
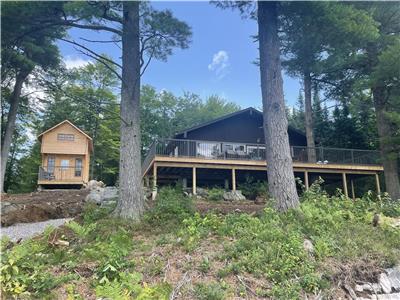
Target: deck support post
{"x": 154, "y": 191}
{"x": 306, "y": 180}
{"x": 194, "y": 183}
{"x": 353, "y": 193}
{"x": 233, "y": 179}
{"x": 346, "y": 192}
{"x": 378, "y": 185}
{"x": 184, "y": 183}
{"x": 226, "y": 184}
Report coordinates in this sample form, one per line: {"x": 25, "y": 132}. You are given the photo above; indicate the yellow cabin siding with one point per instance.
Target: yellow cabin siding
{"x": 50, "y": 143}
{"x": 66, "y": 150}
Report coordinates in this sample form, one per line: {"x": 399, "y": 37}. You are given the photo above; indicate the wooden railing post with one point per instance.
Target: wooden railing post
{"x": 352, "y": 156}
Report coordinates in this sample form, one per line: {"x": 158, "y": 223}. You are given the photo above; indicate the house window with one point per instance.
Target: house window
{"x": 64, "y": 164}
{"x": 65, "y": 137}
{"x": 78, "y": 167}
{"x": 51, "y": 161}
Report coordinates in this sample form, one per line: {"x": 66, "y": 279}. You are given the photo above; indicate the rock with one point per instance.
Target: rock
{"x": 7, "y": 207}
{"x": 201, "y": 192}
{"x": 395, "y": 296}
{"x": 103, "y": 195}
{"x": 394, "y": 278}
{"x": 110, "y": 193}
{"x": 95, "y": 196}
{"x": 350, "y": 291}
{"x": 358, "y": 288}
{"x": 308, "y": 246}
{"x": 260, "y": 200}
{"x": 371, "y": 288}
{"x": 385, "y": 283}
{"x": 93, "y": 184}
{"x": 233, "y": 196}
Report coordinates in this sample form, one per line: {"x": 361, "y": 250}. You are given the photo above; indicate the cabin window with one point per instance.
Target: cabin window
{"x": 65, "y": 137}
{"x": 64, "y": 164}
{"x": 78, "y": 167}
{"x": 51, "y": 161}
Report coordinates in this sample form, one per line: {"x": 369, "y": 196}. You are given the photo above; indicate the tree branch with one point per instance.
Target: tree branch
{"x": 92, "y": 52}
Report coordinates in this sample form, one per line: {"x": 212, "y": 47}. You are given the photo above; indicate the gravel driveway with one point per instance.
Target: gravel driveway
{"x": 27, "y": 230}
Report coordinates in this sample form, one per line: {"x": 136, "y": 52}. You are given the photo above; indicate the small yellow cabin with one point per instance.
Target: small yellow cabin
{"x": 65, "y": 151}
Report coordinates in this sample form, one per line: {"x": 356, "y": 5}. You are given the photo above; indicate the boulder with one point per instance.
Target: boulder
{"x": 110, "y": 193}
{"x": 394, "y": 277}
{"x": 308, "y": 246}
{"x": 233, "y": 196}
{"x": 95, "y": 196}
{"x": 7, "y": 207}
{"x": 203, "y": 193}
{"x": 385, "y": 283}
{"x": 103, "y": 195}
{"x": 94, "y": 184}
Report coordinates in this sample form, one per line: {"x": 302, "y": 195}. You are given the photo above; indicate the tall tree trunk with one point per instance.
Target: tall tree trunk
{"x": 281, "y": 181}
{"x": 131, "y": 202}
{"x": 312, "y": 157}
{"x": 389, "y": 156}
{"x": 10, "y": 126}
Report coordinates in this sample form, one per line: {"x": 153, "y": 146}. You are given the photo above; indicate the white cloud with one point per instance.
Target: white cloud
{"x": 75, "y": 62}
{"x": 220, "y": 64}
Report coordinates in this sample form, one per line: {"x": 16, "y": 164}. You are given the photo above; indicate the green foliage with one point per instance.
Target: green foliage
{"x": 211, "y": 291}
{"x": 171, "y": 207}
{"x": 196, "y": 228}
{"x": 252, "y": 188}
{"x": 271, "y": 245}
{"x": 215, "y": 194}
{"x": 23, "y": 271}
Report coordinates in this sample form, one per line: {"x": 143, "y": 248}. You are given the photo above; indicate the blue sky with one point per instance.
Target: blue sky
{"x": 219, "y": 60}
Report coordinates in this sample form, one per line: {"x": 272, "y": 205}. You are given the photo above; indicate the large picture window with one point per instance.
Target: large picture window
{"x": 65, "y": 137}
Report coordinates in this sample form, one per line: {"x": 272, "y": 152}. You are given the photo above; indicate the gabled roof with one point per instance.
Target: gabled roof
{"x": 70, "y": 123}
{"x": 239, "y": 112}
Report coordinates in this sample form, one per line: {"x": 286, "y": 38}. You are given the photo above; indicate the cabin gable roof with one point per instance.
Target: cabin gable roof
{"x": 250, "y": 110}
{"x": 73, "y": 126}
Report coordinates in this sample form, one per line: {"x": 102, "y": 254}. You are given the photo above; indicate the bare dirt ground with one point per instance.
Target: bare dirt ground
{"x": 225, "y": 207}
{"x": 56, "y": 204}
{"x": 41, "y": 206}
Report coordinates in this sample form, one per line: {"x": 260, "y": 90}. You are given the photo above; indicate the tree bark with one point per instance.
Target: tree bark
{"x": 131, "y": 202}
{"x": 281, "y": 182}
{"x": 10, "y": 126}
{"x": 312, "y": 157}
{"x": 389, "y": 156}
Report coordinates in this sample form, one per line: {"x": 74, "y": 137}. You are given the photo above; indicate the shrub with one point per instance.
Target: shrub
{"x": 252, "y": 188}
{"x": 171, "y": 207}
{"x": 215, "y": 194}
{"x": 211, "y": 291}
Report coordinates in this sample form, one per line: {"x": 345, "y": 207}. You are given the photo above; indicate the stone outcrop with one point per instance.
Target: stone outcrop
{"x": 233, "y": 196}
{"x": 100, "y": 194}
{"x": 387, "y": 287}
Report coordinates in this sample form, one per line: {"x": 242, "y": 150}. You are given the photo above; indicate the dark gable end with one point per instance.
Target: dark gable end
{"x": 244, "y": 126}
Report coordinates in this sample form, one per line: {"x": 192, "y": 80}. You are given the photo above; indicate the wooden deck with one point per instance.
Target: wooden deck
{"x": 195, "y": 155}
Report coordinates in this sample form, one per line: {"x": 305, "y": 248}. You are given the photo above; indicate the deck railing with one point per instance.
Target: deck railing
{"x": 240, "y": 151}
{"x": 60, "y": 173}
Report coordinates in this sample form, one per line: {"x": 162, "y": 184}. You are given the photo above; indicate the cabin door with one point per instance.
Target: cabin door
{"x": 64, "y": 170}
